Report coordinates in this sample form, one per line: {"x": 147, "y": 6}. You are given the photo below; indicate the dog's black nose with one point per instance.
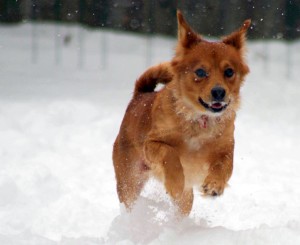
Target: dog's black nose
{"x": 218, "y": 93}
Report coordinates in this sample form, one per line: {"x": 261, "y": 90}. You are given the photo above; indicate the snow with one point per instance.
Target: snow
{"x": 60, "y": 116}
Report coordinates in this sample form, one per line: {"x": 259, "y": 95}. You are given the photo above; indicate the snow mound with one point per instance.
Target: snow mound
{"x": 154, "y": 224}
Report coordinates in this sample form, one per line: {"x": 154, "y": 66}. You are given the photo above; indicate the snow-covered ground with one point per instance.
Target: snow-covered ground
{"x": 58, "y": 121}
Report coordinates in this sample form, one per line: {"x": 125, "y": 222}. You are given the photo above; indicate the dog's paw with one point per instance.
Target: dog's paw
{"x": 213, "y": 187}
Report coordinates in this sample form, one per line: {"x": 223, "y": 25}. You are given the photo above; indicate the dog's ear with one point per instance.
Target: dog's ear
{"x": 186, "y": 36}
{"x": 237, "y": 39}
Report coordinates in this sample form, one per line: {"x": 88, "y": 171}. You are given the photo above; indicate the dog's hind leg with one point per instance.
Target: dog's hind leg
{"x": 131, "y": 175}
{"x": 185, "y": 202}
{"x": 129, "y": 187}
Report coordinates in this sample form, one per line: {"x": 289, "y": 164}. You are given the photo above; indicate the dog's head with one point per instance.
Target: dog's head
{"x": 210, "y": 74}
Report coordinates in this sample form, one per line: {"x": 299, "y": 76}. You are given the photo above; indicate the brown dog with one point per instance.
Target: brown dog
{"x": 183, "y": 134}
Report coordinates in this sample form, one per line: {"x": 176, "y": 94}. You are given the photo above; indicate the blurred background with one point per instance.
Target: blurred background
{"x": 271, "y": 19}
{"x": 67, "y": 73}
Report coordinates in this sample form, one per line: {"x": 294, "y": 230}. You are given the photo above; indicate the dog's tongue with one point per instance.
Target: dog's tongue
{"x": 216, "y": 105}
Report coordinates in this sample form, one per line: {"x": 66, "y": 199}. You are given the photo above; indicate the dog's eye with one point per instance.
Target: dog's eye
{"x": 201, "y": 73}
{"x": 229, "y": 72}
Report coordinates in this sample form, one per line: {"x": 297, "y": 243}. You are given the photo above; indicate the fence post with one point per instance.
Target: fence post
{"x": 266, "y": 51}
{"x": 103, "y": 52}
{"x": 289, "y": 63}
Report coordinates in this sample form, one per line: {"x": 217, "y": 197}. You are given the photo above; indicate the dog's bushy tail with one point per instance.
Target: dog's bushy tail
{"x": 154, "y": 75}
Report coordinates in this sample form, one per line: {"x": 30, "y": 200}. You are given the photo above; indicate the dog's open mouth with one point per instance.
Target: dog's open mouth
{"x": 214, "y": 106}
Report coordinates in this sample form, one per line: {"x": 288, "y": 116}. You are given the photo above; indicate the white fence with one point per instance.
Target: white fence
{"x": 102, "y": 45}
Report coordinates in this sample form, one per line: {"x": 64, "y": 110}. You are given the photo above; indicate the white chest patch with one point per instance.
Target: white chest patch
{"x": 193, "y": 143}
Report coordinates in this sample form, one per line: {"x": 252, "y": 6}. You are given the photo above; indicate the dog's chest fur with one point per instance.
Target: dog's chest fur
{"x": 197, "y": 133}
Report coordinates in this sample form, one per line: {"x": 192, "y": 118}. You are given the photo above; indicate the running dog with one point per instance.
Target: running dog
{"x": 183, "y": 135}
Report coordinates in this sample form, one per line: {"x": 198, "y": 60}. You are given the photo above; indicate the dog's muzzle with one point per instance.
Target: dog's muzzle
{"x": 214, "y": 106}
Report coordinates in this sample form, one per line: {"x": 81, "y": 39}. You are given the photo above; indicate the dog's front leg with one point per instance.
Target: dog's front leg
{"x": 165, "y": 159}
{"x": 219, "y": 173}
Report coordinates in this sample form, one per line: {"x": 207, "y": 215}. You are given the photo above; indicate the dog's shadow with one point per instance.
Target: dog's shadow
{"x": 153, "y": 216}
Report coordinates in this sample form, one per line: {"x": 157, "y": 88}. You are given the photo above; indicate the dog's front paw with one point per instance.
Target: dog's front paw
{"x": 213, "y": 187}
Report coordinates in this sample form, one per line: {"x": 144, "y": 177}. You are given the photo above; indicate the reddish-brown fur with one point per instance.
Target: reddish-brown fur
{"x": 170, "y": 135}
